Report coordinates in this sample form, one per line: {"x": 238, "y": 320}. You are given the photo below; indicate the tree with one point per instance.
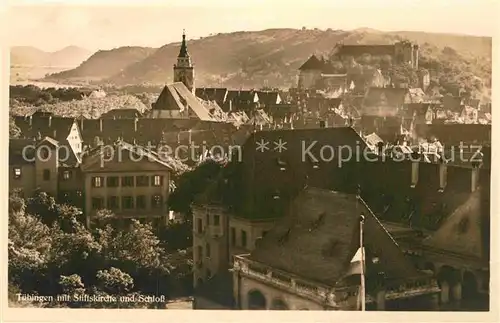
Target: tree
{"x": 63, "y": 256}
{"x": 404, "y": 74}
{"x": 14, "y": 131}
{"x": 191, "y": 183}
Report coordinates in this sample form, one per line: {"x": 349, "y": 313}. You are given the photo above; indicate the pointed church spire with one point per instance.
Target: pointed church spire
{"x": 183, "y": 52}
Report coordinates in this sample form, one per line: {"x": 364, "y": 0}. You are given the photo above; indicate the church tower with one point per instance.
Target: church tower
{"x": 183, "y": 69}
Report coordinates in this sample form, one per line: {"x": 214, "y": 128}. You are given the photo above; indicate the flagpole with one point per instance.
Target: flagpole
{"x": 362, "y": 291}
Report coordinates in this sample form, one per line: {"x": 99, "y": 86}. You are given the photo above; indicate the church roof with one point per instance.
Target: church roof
{"x": 313, "y": 63}
{"x": 183, "y": 51}
{"x": 176, "y": 97}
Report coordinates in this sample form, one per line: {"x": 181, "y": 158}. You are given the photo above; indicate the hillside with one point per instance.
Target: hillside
{"x": 271, "y": 57}
{"x": 105, "y": 63}
{"x": 70, "y": 56}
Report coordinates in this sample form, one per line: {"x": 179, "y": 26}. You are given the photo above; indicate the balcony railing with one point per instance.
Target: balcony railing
{"x": 339, "y": 297}
{"x": 323, "y": 294}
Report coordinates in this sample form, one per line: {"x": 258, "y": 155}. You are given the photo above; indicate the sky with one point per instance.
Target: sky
{"x": 116, "y": 23}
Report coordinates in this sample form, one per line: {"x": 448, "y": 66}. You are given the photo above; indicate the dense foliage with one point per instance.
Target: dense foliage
{"x": 52, "y": 253}
{"x": 14, "y": 131}
{"x": 193, "y": 182}
{"x": 88, "y": 107}
{"x": 33, "y": 95}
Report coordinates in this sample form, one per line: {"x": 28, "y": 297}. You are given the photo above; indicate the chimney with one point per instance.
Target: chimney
{"x": 189, "y": 136}
{"x": 474, "y": 179}
{"x": 135, "y": 124}
{"x": 55, "y": 132}
{"x": 100, "y": 124}
{"x": 414, "y": 172}
{"x": 31, "y": 121}
{"x": 50, "y": 121}
{"x": 81, "y": 124}
{"x": 442, "y": 176}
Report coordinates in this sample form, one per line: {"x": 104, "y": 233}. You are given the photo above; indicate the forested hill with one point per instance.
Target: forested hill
{"x": 271, "y": 57}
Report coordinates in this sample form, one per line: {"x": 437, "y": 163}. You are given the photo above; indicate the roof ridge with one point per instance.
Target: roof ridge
{"x": 360, "y": 199}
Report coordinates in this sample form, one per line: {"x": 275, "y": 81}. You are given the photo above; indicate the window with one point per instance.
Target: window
{"x": 17, "y": 172}
{"x": 128, "y": 202}
{"x": 127, "y": 181}
{"x": 156, "y": 201}
{"x": 157, "y": 180}
{"x": 199, "y": 252}
{"x": 243, "y": 238}
{"x": 233, "y": 236}
{"x": 46, "y": 175}
{"x": 97, "y": 203}
{"x": 97, "y": 181}
{"x": 207, "y": 248}
{"x": 79, "y": 193}
{"x": 66, "y": 175}
{"x": 113, "y": 203}
{"x": 216, "y": 220}
{"x": 199, "y": 225}
{"x": 44, "y": 153}
{"x": 112, "y": 181}
{"x": 207, "y": 218}
{"x": 141, "y": 201}
{"x": 142, "y": 180}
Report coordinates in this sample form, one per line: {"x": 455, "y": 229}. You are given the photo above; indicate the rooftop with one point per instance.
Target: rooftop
{"x": 320, "y": 236}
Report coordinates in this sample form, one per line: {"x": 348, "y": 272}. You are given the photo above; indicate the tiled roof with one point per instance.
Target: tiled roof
{"x": 313, "y": 63}
{"x": 121, "y": 114}
{"x": 259, "y": 117}
{"x": 320, "y": 235}
{"x": 383, "y": 101}
{"x": 462, "y": 231}
{"x": 453, "y": 134}
{"x": 417, "y": 109}
{"x": 373, "y": 139}
{"x": 177, "y": 97}
{"x": 16, "y": 147}
{"x": 95, "y": 155}
{"x": 268, "y": 98}
{"x": 212, "y": 94}
{"x": 44, "y": 126}
{"x": 287, "y": 168}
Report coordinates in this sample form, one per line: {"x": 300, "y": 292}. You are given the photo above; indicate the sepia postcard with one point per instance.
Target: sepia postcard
{"x": 260, "y": 155}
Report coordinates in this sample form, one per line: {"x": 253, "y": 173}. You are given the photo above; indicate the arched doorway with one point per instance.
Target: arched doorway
{"x": 447, "y": 277}
{"x": 469, "y": 286}
{"x": 279, "y": 305}
{"x": 256, "y": 300}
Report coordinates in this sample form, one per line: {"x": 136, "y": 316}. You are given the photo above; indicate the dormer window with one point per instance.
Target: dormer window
{"x": 17, "y": 172}
{"x": 66, "y": 175}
